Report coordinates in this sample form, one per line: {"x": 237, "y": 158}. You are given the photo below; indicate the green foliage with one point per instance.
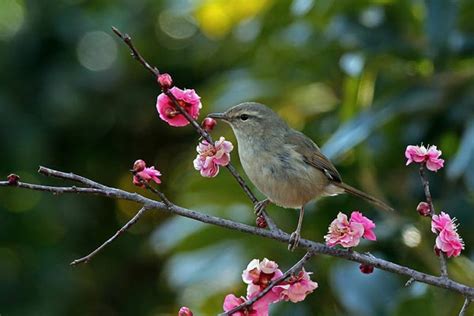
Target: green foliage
{"x": 364, "y": 78}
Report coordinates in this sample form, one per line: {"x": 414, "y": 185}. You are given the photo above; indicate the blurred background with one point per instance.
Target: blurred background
{"x": 362, "y": 78}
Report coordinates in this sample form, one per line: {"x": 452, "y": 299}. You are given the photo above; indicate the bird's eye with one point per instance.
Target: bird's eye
{"x": 244, "y": 117}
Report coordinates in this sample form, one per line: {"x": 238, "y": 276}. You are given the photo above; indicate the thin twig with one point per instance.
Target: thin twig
{"x": 152, "y": 189}
{"x": 296, "y": 268}
{"x": 154, "y": 70}
{"x": 409, "y": 282}
{"x": 135, "y": 54}
{"x": 125, "y": 227}
{"x": 426, "y": 187}
{"x": 465, "y": 306}
{"x": 308, "y": 245}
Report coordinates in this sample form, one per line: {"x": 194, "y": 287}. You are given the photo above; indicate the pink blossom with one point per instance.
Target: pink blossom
{"x": 448, "y": 239}
{"x": 187, "y": 99}
{"x": 357, "y": 217}
{"x": 343, "y": 232}
{"x": 261, "y": 221}
{"x": 433, "y": 162}
{"x": 165, "y": 81}
{"x": 258, "y": 275}
{"x": 143, "y": 174}
{"x": 210, "y": 157}
{"x": 297, "y": 287}
{"x": 208, "y": 124}
{"x": 232, "y": 301}
{"x": 259, "y": 308}
{"x": 139, "y": 165}
{"x": 415, "y": 154}
{"x": 441, "y": 222}
{"x": 185, "y": 311}
{"x": 13, "y": 179}
{"x": 423, "y": 209}
{"x": 420, "y": 154}
{"x": 366, "y": 268}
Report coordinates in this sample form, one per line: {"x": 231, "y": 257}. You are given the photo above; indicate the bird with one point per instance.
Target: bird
{"x": 284, "y": 164}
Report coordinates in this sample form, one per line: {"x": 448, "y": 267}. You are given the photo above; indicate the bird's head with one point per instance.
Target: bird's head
{"x": 251, "y": 118}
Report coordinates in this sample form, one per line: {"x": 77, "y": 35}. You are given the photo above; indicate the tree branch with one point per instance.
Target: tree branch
{"x": 154, "y": 70}
{"x": 127, "y": 226}
{"x": 463, "y": 311}
{"x": 308, "y": 245}
{"x": 296, "y": 268}
{"x": 426, "y": 187}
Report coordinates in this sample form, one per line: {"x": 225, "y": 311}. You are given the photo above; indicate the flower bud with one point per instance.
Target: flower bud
{"x": 185, "y": 311}
{"x": 13, "y": 179}
{"x": 261, "y": 222}
{"x": 423, "y": 209}
{"x": 139, "y": 165}
{"x": 366, "y": 268}
{"x": 165, "y": 81}
{"x": 208, "y": 124}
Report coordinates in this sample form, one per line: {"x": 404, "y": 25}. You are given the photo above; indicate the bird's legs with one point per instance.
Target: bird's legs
{"x": 296, "y": 235}
{"x": 260, "y": 206}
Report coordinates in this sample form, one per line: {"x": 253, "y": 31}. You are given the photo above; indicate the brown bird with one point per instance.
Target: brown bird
{"x": 284, "y": 164}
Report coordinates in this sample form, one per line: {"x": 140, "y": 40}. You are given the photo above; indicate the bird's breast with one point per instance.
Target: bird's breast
{"x": 282, "y": 175}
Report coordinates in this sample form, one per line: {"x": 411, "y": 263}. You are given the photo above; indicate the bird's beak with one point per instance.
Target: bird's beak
{"x": 218, "y": 116}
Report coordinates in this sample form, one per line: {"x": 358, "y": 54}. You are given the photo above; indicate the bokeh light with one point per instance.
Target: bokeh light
{"x": 97, "y": 51}
{"x": 352, "y": 63}
{"x": 411, "y": 236}
{"x": 12, "y": 17}
{"x": 176, "y": 25}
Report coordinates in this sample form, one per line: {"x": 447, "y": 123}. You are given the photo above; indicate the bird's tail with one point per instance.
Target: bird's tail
{"x": 374, "y": 201}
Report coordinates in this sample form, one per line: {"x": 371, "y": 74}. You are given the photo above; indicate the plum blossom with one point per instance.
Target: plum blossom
{"x": 208, "y": 124}
{"x": 261, "y": 221}
{"x": 259, "y": 308}
{"x": 258, "y": 275}
{"x": 423, "y": 209}
{"x": 185, "y": 311}
{"x": 448, "y": 239}
{"x": 165, "y": 81}
{"x": 187, "y": 99}
{"x": 348, "y": 233}
{"x": 366, "y": 268}
{"x": 13, "y": 179}
{"x": 210, "y": 157}
{"x": 368, "y": 224}
{"x": 143, "y": 174}
{"x": 297, "y": 287}
{"x": 421, "y": 154}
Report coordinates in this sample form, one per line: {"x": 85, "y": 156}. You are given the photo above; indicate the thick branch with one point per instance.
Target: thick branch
{"x": 296, "y": 268}
{"x": 308, "y": 245}
{"x": 136, "y": 54}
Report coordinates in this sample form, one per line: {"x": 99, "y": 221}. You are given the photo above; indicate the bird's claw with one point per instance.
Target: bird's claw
{"x": 294, "y": 241}
{"x": 260, "y": 207}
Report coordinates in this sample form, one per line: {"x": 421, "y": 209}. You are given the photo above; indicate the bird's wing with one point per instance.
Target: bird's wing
{"x": 312, "y": 155}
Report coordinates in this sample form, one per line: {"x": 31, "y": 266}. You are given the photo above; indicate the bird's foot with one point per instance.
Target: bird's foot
{"x": 260, "y": 206}
{"x": 294, "y": 240}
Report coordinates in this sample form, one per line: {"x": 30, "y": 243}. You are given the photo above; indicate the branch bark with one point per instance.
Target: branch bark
{"x": 308, "y": 245}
